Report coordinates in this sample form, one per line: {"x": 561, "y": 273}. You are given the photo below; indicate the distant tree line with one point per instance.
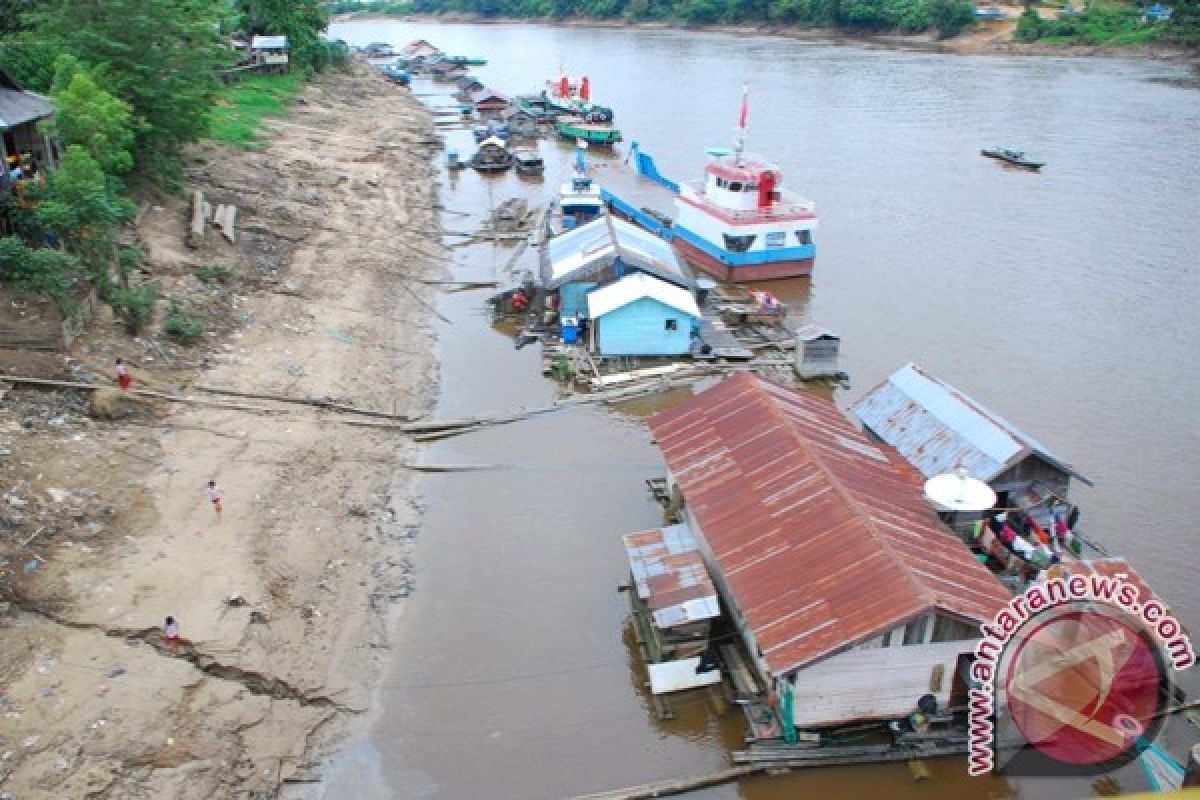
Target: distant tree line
{"x": 948, "y": 17}
{"x": 132, "y": 82}
{"x": 1101, "y": 23}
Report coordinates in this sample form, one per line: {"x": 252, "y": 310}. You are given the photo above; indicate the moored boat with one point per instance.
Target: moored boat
{"x": 528, "y": 162}
{"x": 578, "y": 199}
{"x": 739, "y": 223}
{"x": 1015, "y": 157}
{"x": 588, "y": 129}
{"x": 493, "y": 156}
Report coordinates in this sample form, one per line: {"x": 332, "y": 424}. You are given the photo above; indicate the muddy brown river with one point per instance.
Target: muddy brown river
{"x": 1064, "y": 300}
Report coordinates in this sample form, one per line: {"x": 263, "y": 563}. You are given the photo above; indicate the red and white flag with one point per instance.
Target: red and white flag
{"x": 744, "y": 117}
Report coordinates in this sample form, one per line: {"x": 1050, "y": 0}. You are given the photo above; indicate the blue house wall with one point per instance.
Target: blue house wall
{"x": 572, "y": 298}
{"x": 640, "y": 329}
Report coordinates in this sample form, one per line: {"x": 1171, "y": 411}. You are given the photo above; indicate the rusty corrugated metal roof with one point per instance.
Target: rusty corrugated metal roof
{"x": 824, "y": 538}
{"x": 937, "y": 428}
{"x": 670, "y": 575}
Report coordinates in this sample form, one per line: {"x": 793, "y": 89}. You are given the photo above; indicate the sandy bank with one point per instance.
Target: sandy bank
{"x": 319, "y": 298}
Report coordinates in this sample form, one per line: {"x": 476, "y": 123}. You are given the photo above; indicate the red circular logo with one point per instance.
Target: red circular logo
{"x": 1084, "y": 686}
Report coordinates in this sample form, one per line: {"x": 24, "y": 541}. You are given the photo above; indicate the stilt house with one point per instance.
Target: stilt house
{"x": 25, "y": 150}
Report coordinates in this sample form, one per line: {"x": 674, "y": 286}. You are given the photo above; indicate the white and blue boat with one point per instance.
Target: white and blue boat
{"x": 739, "y": 223}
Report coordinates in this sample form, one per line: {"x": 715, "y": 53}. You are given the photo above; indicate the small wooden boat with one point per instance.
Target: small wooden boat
{"x": 465, "y": 61}
{"x": 537, "y": 108}
{"x": 1015, "y": 157}
{"x": 592, "y": 132}
{"x": 528, "y": 162}
{"x": 492, "y": 156}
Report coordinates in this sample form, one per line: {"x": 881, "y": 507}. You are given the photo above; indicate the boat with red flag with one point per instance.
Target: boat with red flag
{"x": 739, "y": 223}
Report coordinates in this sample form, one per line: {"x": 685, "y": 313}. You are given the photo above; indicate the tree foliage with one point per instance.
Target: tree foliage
{"x": 41, "y": 270}
{"x": 159, "y": 57}
{"x": 80, "y": 208}
{"x": 91, "y": 117}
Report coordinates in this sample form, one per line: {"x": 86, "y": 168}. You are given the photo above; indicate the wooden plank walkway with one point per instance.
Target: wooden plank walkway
{"x": 724, "y": 344}
{"x": 675, "y": 786}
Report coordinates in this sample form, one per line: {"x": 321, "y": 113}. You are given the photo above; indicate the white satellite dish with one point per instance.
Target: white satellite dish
{"x": 958, "y": 491}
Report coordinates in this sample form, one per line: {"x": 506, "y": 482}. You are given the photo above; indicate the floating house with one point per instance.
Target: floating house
{"x": 938, "y": 428}
{"x": 419, "y": 48}
{"x": 25, "y": 150}
{"x": 850, "y": 598}
{"x": 489, "y": 100}
{"x": 270, "y": 51}
{"x": 600, "y": 252}
{"x": 640, "y": 315}
{"x": 674, "y": 603}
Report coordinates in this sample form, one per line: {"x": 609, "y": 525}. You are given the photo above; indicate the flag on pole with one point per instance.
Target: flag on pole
{"x": 744, "y": 117}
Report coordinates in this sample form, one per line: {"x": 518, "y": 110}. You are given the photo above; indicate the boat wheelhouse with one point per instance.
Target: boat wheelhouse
{"x": 740, "y": 224}
{"x": 579, "y": 199}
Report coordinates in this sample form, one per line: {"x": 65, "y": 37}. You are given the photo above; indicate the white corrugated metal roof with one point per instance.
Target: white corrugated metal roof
{"x": 635, "y": 287}
{"x": 808, "y": 333}
{"x": 675, "y": 676}
{"x": 18, "y": 107}
{"x": 936, "y": 427}
{"x": 269, "y": 43}
{"x": 593, "y": 245}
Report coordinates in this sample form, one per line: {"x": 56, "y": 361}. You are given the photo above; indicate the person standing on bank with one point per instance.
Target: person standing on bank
{"x": 124, "y": 377}
{"x": 216, "y": 496}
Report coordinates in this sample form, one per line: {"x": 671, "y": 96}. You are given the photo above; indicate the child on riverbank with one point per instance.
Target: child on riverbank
{"x": 215, "y": 496}
{"x": 124, "y": 377}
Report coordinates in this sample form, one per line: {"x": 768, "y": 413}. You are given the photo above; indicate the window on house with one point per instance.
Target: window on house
{"x": 914, "y": 631}
{"x": 738, "y": 244}
{"x": 946, "y": 629}
{"x": 735, "y": 186}
{"x": 804, "y": 237}
{"x": 671, "y": 325}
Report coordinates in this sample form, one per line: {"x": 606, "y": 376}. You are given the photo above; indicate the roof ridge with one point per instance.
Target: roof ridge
{"x": 922, "y": 590}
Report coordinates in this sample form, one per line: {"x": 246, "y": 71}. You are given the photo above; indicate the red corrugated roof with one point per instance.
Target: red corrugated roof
{"x": 824, "y": 538}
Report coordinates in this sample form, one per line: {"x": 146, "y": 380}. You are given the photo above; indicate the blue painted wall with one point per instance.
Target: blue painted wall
{"x": 639, "y": 329}
{"x": 572, "y": 298}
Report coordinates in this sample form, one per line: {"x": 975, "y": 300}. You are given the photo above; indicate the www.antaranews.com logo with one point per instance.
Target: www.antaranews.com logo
{"x": 1071, "y": 678}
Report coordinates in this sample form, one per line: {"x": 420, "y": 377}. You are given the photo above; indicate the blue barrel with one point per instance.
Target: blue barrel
{"x": 569, "y": 330}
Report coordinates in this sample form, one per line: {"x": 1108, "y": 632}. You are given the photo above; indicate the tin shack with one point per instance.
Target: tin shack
{"x": 852, "y": 601}
{"x": 937, "y": 428}
{"x": 602, "y": 252}
{"x": 25, "y": 150}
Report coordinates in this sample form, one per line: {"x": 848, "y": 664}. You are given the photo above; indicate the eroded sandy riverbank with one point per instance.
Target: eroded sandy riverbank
{"x": 322, "y": 300}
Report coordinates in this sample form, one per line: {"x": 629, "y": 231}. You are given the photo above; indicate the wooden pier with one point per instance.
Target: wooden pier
{"x": 721, "y": 341}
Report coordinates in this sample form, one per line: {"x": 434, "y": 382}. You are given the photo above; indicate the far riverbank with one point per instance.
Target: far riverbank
{"x": 986, "y": 38}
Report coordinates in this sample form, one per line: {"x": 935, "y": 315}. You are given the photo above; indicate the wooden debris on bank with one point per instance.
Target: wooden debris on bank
{"x": 199, "y": 224}
{"x": 225, "y": 218}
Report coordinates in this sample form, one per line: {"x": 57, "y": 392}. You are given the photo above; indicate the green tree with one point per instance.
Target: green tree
{"x": 159, "y": 56}
{"x": 79, "y": 207}
{"x": 40, "y": 270}
{"x": 1184, "y": 25}
{"x": 951, "y": 17}
{"x": 30, "y": 60}
{"x": 90, "y": 117}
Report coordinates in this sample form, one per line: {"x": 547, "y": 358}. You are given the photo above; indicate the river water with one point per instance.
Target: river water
{"x": 1063, "y": 300}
